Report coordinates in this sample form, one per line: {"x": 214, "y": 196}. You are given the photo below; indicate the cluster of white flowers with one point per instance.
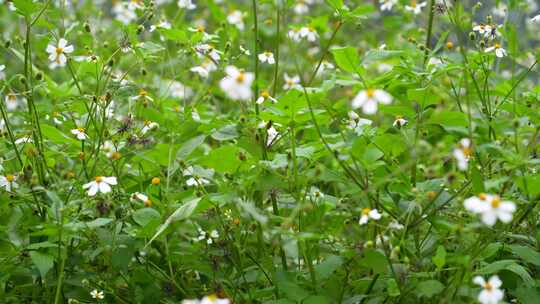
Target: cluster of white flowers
{"x": 209, "y": 237}
{"x": 387, "y": 5}
{"x": 490, "y": 208}
{"x": 308, "y": 33}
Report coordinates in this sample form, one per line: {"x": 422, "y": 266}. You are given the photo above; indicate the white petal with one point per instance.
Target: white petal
{"x": 370, "y": 107}
{"x": 93, "y": 189}
{"x": 382, "y": 97}
{"x": 111, "y": 180}
{"x": 489, "y": 217}
{"x": 104, "y": 187}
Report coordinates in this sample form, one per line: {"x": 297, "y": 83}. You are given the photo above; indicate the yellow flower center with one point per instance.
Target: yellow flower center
{"x": 10, "y": 178}
{"x": 212, "y": 297}
{"x": 200, "y": 29}
{"x": 59, "y": 50}
{"x": 12, "y": 97}
{"x": 268, "y": 54}
{"x": 265, "y": 94}
{"x": 81, "y": 130}
{"x": 143, "y": 93}
{"x": 496, "y": 202}
{"x": 488, "y": 286}
{"x": 365, "y": 211}
{"x": 241, "y": 77}
{"x": 370, "y": 93}
{"x": 497, "y": 46}
{"x": 467, "y": 152}
{"x": 156, "y": 181}
{"x": 99, "y": 179}
{"x": 413, "y": 3}
{"x": 482, "y": 196}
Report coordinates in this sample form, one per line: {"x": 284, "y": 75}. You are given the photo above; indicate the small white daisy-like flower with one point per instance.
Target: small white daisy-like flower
{"x": 536, "y": 19}
{"x": 204, "y": 49}
{"x": 267, "y": 57}
{"x": 356, "y": 123}
{"x": 302, "y": 6}
{"x": 309, "y": 33}
{"x": 400, "y": 122}
{"x": 79, "y": 133}
{"x": 109, "y": 148}
{"x": 122, "y": 12}
{"x": 187, "y": 4}
{"x": 142, "y": 96}
{"x": 463, "y": 153}
{"x": 24, "y": 140}
{"x": 58, "y": 53}
{"x": 162, "y": 24}
{"x": 12, "y": 101}
{"x": 148, "y": 126}
{"x": 491, "y": 292}
{"x": 387, "y": 5}
{"x": 208, "y": 237}
{"x": 97, "y": 294}
{"x": 205, "y": 68}
{"x": 179, "y": 90}
{"x": 369, "y": 100}
{"x": 414, "y": 7}
{"x": 490, "y": 208}
{"x": 137, "y": 196}
{"x": 194, "y": 179}
{"x": 236, "y": 18}
{"x": 499, "y": 51}
{"x": 100, "y": 184}
{"x": 368, "y": 214}
{"x": 291, "y": 82}
{"x": 315, "y": 194}
{"x": 213, "y": 299}
{"x": 265, "y": 95}
{"x": 8, "y": 182}
{"x": 237, "y": 83}
{"x": 482, "y": 29}
{"x": 135, "y": 4}
{"x": 294, "y": 34}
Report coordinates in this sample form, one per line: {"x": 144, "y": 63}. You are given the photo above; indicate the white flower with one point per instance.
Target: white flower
{"x": 137, "y": 196}
{"x": 482, "y": 29}
{"x": 315, "y": 194}
{"x": 271, "y": 136}
{"x": 12, "y": 101}
{"x": 414, "y": 7}
{"x": 387, "y": 5}
{"x": 463, "y": 153}
{"x": 236, "y": 18}
{"x": 536, "y": 19}
{"x": 194, "y": 179}
{"x": 213, "y": 299}
{"x": 369, "y": 100}
{"x": 8, "y": 182}
{"x": 123, "y": 13}
{"x": 24, "y": 139}
{"x": 294, "y": 34}
{"x": 57, "y": 54}
{"x": 302, "y": 7}
{"x": 499, "y": 51}
{"x": 109, "y": 149}
{"x": 291, "y": 82}
{"x": 395, "y": 225}
{"x": 97, "y": 294}
{"x": 267, "y": 57}
{"x": 100, "y": 184}
{"x": 356, "y": 123}
{"x": 434, "y": 61}
{"x": 309, "y": 33}
{"x": 187, "y": 4}
{"x": 204, "y": 69}
{"x": 491, "y": 292}
{"x": 135, "y": 4}
{"x": 163, "y": 24}
{"x": 179, "y": 90}
{"x": 148, "y": 126}
{"x": 368, "y": 214}
{"x": 79, "y": 133}
{"x": 2, "y": 68}
{"x": 143, "y": 96}
{"x": 490, "y": 208}
{"x": 265, "y": 96}
{"x": 237, "y": 83}
{"x": 204, "y": 50}
{"x": 209, "y": 237}
{"x": 400, "y": 122}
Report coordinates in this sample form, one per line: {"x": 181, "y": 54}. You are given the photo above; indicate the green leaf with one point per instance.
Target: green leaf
{"x": 225, "y": 133}
{"x": 328, "y": 266}
{"x": 25, "y": 7}
{"x": 429, "y": 288}
{"x": 346, "y": 58}
{"x": 43, "y": 262}
{"x": 99, "y": 222}
{"x": 189, "y": 146}
{"x": 448, "y": 119}
{"x": 439, "y": 259}
{"x": 509, "y": 265}
{"x": 392, "y": 288}
{"x": 526, "y": 253}
{"x": 145, "y": 215}
{"x": 223, "y": 159}
{"x": 375, "y": 261}
{"x": 183, "y": 212}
